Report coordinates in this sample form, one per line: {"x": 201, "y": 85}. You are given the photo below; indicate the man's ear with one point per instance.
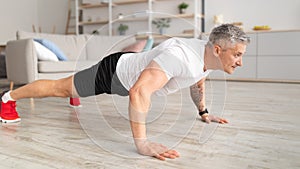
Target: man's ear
{"x": 217, "y": 50}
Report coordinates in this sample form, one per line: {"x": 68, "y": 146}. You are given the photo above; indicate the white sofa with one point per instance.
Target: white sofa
{"x": 82, "y": 51}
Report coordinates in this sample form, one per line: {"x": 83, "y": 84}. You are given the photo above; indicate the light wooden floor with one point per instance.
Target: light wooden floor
{"x": 264, "y": 131}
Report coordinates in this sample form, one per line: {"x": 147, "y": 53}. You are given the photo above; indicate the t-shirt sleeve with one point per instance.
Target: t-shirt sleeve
{"x": 171, "y": 62}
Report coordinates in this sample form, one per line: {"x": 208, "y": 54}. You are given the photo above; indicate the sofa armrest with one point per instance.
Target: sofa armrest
{"x": 21, "y": 61}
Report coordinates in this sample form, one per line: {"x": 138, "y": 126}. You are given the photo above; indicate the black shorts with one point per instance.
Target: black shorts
{"x": 100, "y": 78}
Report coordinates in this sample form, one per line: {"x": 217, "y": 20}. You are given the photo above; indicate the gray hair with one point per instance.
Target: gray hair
{"x": 228, "y": 34}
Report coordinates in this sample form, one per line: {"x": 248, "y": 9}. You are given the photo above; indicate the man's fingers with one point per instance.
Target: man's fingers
{"x": 165, "y": 155}
{"x": 160, "y": 157}
{"x": 172, "y": 154}
{"x": 211, "y": 118}
{"x": 168, "y": 155}
{"x": 222, "y": 121}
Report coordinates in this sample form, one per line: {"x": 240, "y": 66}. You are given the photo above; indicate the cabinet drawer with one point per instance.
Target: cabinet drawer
{"x": 278, "y": 43}
{"x": 278, "y": 67}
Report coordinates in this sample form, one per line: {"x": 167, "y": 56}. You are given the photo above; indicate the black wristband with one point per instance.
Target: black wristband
{"x": 203, "y": 112}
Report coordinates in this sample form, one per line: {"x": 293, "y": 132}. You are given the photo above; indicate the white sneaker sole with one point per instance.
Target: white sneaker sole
{"x": 75, "y": 106}
{"x": 10, "y": 121}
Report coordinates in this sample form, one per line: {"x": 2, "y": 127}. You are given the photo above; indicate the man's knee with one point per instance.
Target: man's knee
{"x": 63, "y": 87}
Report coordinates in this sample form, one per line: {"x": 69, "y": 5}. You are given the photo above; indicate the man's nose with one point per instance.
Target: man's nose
{"x": 240, "y": 63}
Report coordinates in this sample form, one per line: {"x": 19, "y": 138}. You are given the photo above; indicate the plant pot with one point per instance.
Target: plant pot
{"x": 162, "y": 31}
{"x": 182, "y": 10}
{"x": 122, "y": 32}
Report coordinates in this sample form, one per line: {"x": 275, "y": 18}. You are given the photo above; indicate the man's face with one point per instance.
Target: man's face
{"x": 232, "y": 57}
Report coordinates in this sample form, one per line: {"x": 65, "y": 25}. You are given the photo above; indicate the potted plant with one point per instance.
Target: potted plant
{"x": 161, "y": 24}
{"x": 122, "y": 29}
{"x": 182, "y": 7}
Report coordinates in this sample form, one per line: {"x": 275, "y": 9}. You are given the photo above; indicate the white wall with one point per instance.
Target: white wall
{"x": 22, "y": 14}
{"x": 278, "y": 14}
{"x": 16, "y": 14}
{"x": 52, "y": 13}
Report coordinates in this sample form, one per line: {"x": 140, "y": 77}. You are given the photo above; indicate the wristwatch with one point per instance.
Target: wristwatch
{"x": 203, "y": 112}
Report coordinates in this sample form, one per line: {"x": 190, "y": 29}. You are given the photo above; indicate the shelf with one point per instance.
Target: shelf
{"x": 93, "y": 22}
{"x": 175, "y": 16}
{"x": 89, "y": 6}
{"x": 100, "y": 5}
{"x": 136, "y": 19}
{"x": 157, "y": 36}
{"x": 131, "y": 19}
{"x": 130, "y": 2}
{"x": 158, "y": 17}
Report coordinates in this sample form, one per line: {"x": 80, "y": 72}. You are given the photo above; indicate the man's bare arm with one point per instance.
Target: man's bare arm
{"x": 150, "y": 80}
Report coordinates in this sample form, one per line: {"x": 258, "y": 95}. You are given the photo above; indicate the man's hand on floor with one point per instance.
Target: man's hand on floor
{"x": 211, "y": 118}
{"x": 156, "y": 150}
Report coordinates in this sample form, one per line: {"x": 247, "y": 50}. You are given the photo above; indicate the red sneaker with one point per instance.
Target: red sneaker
{"x": 8, "y": 112}
{"x": 75, "y": 102}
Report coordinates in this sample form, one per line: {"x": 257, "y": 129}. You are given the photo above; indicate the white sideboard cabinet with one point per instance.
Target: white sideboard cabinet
{"x": 278, "y": 55}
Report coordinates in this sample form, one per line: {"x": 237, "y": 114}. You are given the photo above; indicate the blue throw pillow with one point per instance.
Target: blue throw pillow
{"x": 52, "y": 47}
{"x": 148, "y": 45}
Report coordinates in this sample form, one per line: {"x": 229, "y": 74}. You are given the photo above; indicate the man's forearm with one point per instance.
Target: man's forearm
{"x": 198, "y": 95}
{"x": 137, "y": 123}
{"x": 138, "y": 109}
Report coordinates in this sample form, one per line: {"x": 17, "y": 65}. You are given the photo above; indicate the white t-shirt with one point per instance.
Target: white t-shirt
{"x": 181, "y": 59}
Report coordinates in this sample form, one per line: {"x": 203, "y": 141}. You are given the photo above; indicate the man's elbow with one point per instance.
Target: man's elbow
{"x": 139, "y": 99}
{"x": 134, "y": 92}
{"x": 137, "y": 93}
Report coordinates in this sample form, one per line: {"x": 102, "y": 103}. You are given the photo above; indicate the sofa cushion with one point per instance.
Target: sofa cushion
{"x": 66, "y": 66}
{"x": 148, "y": 45}
{"x": 53, "y": 48}
{"x": 43, "y": 53}
{"x": 72, "y": 46}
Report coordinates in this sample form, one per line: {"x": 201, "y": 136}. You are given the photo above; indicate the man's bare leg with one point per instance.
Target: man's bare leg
{"x": 46, "y": 88}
